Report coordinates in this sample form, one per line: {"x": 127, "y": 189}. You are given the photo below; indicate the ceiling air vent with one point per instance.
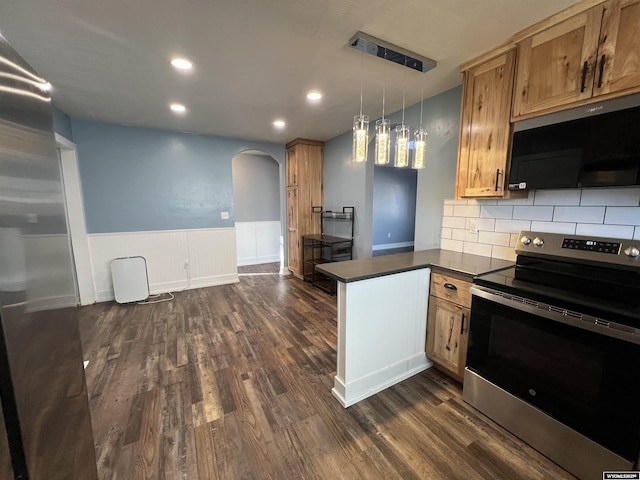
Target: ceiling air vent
{"x": 388, "y": 51}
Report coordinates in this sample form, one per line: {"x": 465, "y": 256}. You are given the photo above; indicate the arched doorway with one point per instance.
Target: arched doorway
{"x": 257, "y": 209}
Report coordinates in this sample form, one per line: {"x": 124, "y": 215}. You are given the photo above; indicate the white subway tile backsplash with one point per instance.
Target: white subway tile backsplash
{"x": 615, "y": 231}
{"x": 454, "y": 222}
{"x": 623, "y": 215}
{"x": 498, "y": 211}
{"x": 477, "y": 249}
{"x": 557, "y": 197}
{"x": 455, "y": 245}
{"x": 466, "y": 211}
{"x": 553, "y": 227}
{"x": 532, "y": 213}
{"x": 579, "y": 214}
{"x": 486, "y": 224}
{"x": 572, "y": 211}
{"x": 518, "y": 201}
{"x": 505, "y": 253}
{"x": 611, "y": 197}
{"x": 464, "y": 235}
{"x": 494, "y": 238}
{"x": 512, "y": 226}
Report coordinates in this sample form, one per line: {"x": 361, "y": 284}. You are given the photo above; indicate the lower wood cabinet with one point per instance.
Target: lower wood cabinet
{"x": 448, "y": 324}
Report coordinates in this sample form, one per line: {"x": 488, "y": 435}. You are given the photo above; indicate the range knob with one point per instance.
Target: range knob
{"x": 525, "y": 240}
{"x": 631, "y": 252}
{"x": 538, "y": 242}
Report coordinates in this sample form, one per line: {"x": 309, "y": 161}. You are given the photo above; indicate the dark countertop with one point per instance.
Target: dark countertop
{"x": 364, "y": 268}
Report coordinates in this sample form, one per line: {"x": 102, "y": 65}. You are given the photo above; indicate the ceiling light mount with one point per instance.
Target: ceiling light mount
{"x": 388, "y": 51}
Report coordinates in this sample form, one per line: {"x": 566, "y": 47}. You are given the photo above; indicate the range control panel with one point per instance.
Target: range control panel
{"x": 578, "y": 247}
{"x": 591, "y": 245}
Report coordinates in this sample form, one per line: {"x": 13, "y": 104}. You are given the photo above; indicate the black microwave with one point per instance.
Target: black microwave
{"x": 600, "y": 148}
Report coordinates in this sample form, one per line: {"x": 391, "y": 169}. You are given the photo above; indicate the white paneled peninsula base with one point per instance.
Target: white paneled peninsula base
{"x": 382, "y": 317}
{"x": 381, "y": 333}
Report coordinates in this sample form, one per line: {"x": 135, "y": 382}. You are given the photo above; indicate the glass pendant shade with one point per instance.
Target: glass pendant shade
{"x": 419, "y": 149}
{"x": 383, "y": 131}
{"x": 402, "y": 146}
{"x": 360, "y": 138}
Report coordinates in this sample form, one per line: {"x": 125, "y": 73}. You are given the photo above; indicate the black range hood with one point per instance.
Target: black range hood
{"x": 596, "y": 145}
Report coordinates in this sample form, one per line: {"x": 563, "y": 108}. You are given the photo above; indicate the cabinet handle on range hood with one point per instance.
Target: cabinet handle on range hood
{"x": 450, "y": 286}
{"x": 602, "y": 60}
{"x": 584, "y": 76}
{"x": 462, "y": 325}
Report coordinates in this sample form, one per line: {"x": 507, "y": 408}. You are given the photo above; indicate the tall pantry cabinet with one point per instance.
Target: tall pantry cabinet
{"x": 305, "y": 175}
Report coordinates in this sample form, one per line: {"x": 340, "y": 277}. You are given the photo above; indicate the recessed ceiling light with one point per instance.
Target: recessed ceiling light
{"x": 182, "y": 63}
{"x": 279, "y": 124}
{"x": 178, "y": 108}
{"x": 314, "y": 96}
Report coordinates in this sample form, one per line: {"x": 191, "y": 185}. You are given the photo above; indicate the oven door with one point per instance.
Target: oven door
{"x": 584, "y": 379}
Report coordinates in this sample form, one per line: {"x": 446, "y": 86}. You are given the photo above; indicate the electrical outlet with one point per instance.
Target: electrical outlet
{"x": 186, "y": 264}
{"x": 473, "y": 226}
{"x": 389, "y": 235}
{"x": 224, "y": 215}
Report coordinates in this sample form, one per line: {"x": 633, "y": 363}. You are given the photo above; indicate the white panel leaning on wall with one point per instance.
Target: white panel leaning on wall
{"x": 491, "y": 227}
{"x": 176, "y": 259}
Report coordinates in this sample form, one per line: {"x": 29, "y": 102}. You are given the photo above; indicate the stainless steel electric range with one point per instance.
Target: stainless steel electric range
{"x": 554, "y": 350}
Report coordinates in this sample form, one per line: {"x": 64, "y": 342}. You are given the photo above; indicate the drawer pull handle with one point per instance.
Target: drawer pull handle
{"x": 462, "y": 325}
{"x": 450, "y": 286}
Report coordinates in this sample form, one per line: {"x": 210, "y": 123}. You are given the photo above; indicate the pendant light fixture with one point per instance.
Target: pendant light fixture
{"x": 403, "y": 132}
{"x": 360, "y": 128}
{"x": 383, "y": 130}
{"x": 420, "y": 141}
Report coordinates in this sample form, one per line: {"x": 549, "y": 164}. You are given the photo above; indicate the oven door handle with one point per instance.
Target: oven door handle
{"x": 557, "y": 314}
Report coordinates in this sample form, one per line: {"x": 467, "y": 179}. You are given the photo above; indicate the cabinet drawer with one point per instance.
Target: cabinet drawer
{"x": 451, "y": 288}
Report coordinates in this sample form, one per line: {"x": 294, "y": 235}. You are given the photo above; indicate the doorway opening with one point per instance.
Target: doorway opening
{"x": 257, "y": 209}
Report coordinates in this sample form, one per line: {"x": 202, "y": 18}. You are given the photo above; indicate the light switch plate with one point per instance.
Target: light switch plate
{"x": 224, "y": 215}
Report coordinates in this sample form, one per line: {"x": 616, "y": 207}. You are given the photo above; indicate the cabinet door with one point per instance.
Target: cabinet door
{"x": 556, "y": 66}
{"x": 447, "y": 335}
{"x": 293, "y": 236}
{"x": 485, "y": 129}
{"x": 618, "y": 62}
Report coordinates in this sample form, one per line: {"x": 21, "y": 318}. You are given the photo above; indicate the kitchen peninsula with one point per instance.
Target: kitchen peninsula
{"x": 382, "y": 316}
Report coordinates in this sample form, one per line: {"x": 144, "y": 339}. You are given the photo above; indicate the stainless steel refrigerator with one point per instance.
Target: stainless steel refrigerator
{"x": 45, "y": 428}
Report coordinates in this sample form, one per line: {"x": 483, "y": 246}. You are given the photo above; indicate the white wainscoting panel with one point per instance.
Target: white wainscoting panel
{"x": 210, "y": 254}
{"x": 382, "y": 326}
{"x": 258, "y": 242}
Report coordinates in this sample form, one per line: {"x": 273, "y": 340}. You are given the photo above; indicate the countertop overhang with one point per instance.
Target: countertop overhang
{"x": 365, "y": 268}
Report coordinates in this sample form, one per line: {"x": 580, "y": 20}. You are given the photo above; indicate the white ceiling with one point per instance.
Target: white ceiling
{"x": 255, "y": 60}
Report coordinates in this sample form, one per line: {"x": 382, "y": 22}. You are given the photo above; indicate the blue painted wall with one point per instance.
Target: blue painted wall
{"x": 394, "y": 205}
{"x": 61, "y": 123}
{"x": 142, "y": 179}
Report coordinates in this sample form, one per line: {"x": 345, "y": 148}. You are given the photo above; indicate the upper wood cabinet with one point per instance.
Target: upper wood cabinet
{"x": 618, "y": 59}
{"x": 593, "y": 53}
{"x": 304, "y": 190}
{"x": 485, "y": 131}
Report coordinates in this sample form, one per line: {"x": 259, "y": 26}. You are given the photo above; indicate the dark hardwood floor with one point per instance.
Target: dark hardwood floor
{"x": 233, "y": 382}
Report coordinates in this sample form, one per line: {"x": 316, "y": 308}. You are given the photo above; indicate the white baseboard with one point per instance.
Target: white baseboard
{"x": 349, "y": 394}
{"x": 258, "y": 260}
{"x": 387, "y": 246}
